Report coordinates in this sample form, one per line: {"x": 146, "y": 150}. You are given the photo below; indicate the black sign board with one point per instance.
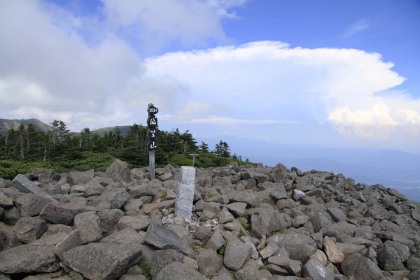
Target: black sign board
{"x": 152, "y": 145}
{"x": 152, "y": 122}
{"x": 152, "y": 110}
{"x": 152, "y": 134}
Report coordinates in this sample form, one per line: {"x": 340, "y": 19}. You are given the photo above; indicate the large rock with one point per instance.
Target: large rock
{"x": 88, "y": 225}
{"x": 336, "y": 214}
{"x": 389, "y": 259}
{"x": 216, "y": 241}
{"x": 161, "y": 258}
{"x": 72, "y": 240}
{"x": 28, "y": 259}
{"x": 61, "y": 214}
{"x": 179, "y": 271}
{"x": 29, "y": 229}
{"x": 8, "y": 237}
{"x": 116, "y": 197}
{"x": 124, "y": 236}
{"x": 300, "y": 246}
{"x": 80, "y": 177}
{"x": 108, "y": 220}
{"x": 237, "y": 208}
{"x": 361, "y": 268}
{"x": 314, "y": 270}
{"x": 247, "y": 197}
{"x": 119, "y": 171}
{"x": 5, "y": 201}
{"x": 162, "y": 238}
{"x": 320, "y": 221}
{"x": 137, "y": 223}
{"x": 209, "y": 262}
{"x": 102, "y": 260}
{"x": 31, "y": 204}
{"x": 280, "y": 173}
{"x": 23, "y": 184}
{"x": 236, "y": 254}
{"x": 266, "y": 220}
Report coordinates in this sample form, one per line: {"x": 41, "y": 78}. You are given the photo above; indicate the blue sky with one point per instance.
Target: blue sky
{"x": 308, "y": 72}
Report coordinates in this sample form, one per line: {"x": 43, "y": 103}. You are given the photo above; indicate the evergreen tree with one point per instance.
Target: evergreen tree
{"x": 222, "y": 149}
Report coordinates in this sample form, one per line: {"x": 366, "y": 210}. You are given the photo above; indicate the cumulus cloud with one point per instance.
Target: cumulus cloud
{"x": 62, "y": 65}
{"x": 277, "y": 84}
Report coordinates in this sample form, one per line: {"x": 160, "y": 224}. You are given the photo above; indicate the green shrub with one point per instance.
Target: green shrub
{"x": 145, "y": 268}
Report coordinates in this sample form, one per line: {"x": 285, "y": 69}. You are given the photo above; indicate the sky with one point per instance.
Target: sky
{"x": 307, "y": 72}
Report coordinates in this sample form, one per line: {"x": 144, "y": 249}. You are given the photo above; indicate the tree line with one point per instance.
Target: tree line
{"x": 62, "y": 150}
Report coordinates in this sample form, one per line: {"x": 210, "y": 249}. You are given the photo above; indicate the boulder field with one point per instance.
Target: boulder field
{"x": 247, "y": 223}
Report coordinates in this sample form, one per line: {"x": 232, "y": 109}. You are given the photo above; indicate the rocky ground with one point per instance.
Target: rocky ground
{"x": 248, "y": 223}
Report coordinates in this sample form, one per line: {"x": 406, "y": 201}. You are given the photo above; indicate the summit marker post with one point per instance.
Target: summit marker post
{"x": 152, "y": 124}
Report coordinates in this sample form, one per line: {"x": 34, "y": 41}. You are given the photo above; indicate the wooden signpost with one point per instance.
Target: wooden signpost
{"x": 152, "y": 124}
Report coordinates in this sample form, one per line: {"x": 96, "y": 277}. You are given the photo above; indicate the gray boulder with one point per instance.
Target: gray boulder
{"x": 314, "y": 270}
{"x": 266, "y": 220}
{"x": 140, "y": 222}
{"x": 162, "y": 238}
{"x": 28, "y": 259}
{"x": 320, "y": 221}
{"x": 124, "y": 236}
{"x": 108, "y": 220}
{"x": 236, "y": 254}
{"x": 71, "y": 241}
{"x": 216, "y": 241}
{"x": 280, "y": 173}
{"x": 179, "y": 271}
{"x": 237, "y": 208}
{"x": 336, "y": 214}
{"x": 8, "y": 237}
{"x": 209, "y": 262}
{"x": 116, "y": 197}
{"x": 23, "y": 184}
{"x": 88, "y": 225}
{"x": 161, "y": 258}
{"x": 300, "y": 246}
{"x": 31, "y": 204}
{"x": 80, "y": 177}
{"x": 5, "y": 201}
{"x": 119, "y": 171}
{"x": 102, "y": 260}
{"x": 361, "y": 268}
{"x": 389, "y": 259}
{"x": 61, "y": 214}
{"x": 29, "y": 229}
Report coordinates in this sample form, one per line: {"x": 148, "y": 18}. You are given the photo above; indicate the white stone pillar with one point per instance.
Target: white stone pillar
{"x": 185, "y": 193}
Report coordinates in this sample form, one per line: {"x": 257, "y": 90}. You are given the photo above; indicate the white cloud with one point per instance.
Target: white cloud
{"x": 357, "y": 27}
{"x": 159, "y": 22}
{"x": 270, "y": 81}
{"x": 53, "y": 64}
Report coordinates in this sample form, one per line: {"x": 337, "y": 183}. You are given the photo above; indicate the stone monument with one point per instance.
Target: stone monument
{"x": 185, "y": 193}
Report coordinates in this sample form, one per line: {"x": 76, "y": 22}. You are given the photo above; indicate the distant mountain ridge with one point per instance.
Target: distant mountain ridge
{"x": 123, "y": 129}
{"x": 6, "y": 125}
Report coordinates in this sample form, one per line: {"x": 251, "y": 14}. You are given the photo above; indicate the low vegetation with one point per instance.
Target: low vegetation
{"x": 27, "y": 148}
